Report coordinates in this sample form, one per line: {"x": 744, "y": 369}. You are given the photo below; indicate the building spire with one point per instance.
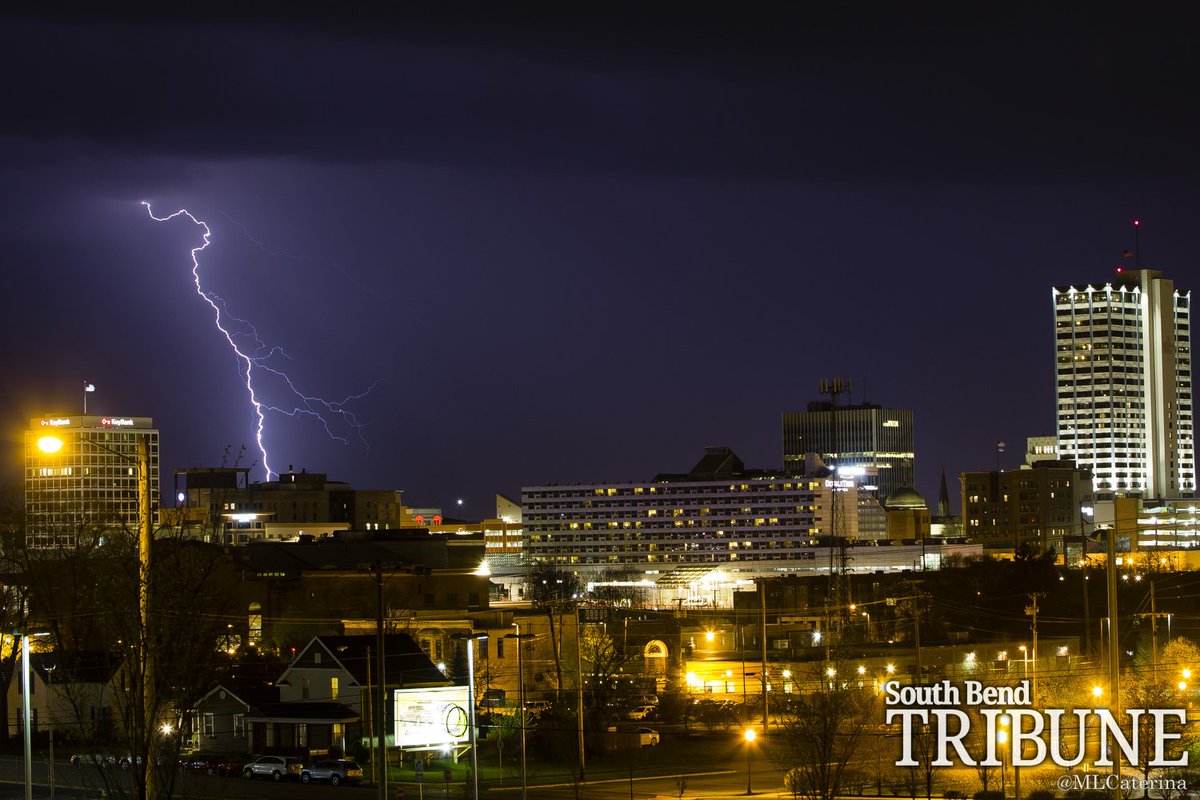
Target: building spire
{"x": 944, "y": 498}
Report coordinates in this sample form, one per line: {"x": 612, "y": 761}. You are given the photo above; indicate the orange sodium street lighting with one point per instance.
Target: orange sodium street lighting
{"x": 49, "y": 444}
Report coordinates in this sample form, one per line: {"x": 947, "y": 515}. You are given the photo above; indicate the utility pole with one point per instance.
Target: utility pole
{"x": 917, "y": 637}
{"x": 1087, "y": 617}
{"x": 1114, "y": 650}
{"x": 762, "y": 588}
{"x": 1031, "y": 610}
{"x": 579, "y": 683}
{"x": 380, "y": 711}
{"x": 1153, "y": 629}
{"x": 149, "y": 704}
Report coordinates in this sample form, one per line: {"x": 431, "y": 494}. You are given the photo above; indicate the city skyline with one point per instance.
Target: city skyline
{"x": 577, "y": 248}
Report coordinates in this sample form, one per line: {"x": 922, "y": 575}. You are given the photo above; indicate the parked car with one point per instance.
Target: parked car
{"x": 536, "y": 707}
{"x": 641, "y": 712}
{"x": 648, "y": 737}
{"x": 646, "y": 699}
{"x": 335, "y": 770}
{"x": 212, "y": 763}
{"x": 276, "y": 768}
{"x": 96, "y": 759}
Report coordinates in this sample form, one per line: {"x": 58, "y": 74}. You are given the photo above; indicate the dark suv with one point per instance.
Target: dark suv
{"x": 335, "y": 770}
{"x": 274, "y": 767}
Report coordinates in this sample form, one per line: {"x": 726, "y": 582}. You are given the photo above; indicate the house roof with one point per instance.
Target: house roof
{"x": 304, "y": 711}
{"x": 251, "y": 693}
{"x": 405, "y": 663}
{"x": 76, "y": 667}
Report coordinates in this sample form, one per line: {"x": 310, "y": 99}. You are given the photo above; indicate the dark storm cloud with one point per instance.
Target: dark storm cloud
{"x": 790, "y": 93}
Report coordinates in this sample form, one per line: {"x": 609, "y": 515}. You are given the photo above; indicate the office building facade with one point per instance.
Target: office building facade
{"x": 85, "y": 485}
{"x": 223, "y": 506}
{"x": 1041, "y": 506}
{"x": 877, "y": 440}
{"x": 1123, "y": 384}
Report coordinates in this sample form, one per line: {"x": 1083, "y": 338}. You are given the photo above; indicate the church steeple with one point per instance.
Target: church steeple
{"x": 944, "y": 498}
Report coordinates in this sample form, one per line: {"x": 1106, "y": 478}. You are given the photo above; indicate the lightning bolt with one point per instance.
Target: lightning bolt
{"x": 255, "y": 355}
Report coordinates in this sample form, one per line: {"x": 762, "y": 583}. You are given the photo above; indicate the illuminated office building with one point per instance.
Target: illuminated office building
{"x": 1123, "y": 384}
{"x": 88, "y": 487}
{"x": 869, "y": 438}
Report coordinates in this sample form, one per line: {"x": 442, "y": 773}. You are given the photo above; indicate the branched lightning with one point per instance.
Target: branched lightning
{"x": 254, "y": 355}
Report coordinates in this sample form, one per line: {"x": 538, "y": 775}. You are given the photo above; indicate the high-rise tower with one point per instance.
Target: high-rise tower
{"x": 1123, "y": 384}
{"x": 877, "y": 439}
{"x": 87, "y": 485}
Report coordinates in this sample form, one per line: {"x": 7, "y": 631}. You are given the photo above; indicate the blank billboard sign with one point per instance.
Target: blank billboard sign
{"x": 431, "y": 717}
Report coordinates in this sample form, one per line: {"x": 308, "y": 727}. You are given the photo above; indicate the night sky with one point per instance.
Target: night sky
{"x": 583, "y": 247}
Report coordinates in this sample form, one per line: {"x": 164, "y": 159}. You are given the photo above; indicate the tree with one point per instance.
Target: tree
{"x": 13, "y": 586}
{"x": 601, "y": 659}
{"x": 818, "y": 736}
{"x": 86, "y": 592}
{"x": 1159, "y": 687}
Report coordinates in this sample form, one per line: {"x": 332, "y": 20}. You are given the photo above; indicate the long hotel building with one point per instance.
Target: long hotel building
{"x": 719, "y": 513}
{"x": 89, "y": 484}
{"x": 1123, "y": 384}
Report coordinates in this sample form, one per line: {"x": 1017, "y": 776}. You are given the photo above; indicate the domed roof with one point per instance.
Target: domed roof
{"x": 904, "y": 497}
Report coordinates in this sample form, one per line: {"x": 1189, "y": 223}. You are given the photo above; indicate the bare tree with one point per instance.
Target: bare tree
{"x": 819, "y": 735}
{"x": 85, "y": 592}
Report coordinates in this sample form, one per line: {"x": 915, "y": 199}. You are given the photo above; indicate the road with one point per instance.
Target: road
{"x": 77, "y": 782}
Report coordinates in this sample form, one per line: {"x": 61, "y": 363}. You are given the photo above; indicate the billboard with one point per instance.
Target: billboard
{"x": 431, "y": 717}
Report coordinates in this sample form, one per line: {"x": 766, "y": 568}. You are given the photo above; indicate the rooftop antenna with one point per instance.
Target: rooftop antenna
{"x": 838, "y": 593}
{"x": 1137, "y": 244}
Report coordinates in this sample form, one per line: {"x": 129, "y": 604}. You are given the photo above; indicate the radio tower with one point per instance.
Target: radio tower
{"x": 838, "y": 596}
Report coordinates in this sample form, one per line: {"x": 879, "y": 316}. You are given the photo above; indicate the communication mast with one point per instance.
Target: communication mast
{"x": 837, "y": 603}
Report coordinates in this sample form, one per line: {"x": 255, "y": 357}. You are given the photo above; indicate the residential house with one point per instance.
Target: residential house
{"x": 76, "y": 696}
{"x": 325, "y": 694}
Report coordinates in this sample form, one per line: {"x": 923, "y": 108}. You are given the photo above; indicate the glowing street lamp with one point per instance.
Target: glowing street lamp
{"x": 750, "y": 735}
{"x": 1002, "y": 739}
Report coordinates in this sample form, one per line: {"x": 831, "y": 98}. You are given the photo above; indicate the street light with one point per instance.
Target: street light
{"x": 26, "y": 712}
{"x": 749, "y": 736}
{"x": 50, "y": 445}
{"x": 1002, "y": 738}
{"x": 471, "y": 637}
{"x": 521, "y": 697}
{"x": 50, "y": 716}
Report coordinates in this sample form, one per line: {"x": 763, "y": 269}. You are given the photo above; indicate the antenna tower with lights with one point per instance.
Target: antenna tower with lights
{"x": 838, "y": 596}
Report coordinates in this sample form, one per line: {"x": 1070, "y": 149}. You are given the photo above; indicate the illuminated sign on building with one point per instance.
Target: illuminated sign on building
{"x": 56, "y": 423}
{"x": 116, "y": 422}
{"x": 431, "y": 717}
